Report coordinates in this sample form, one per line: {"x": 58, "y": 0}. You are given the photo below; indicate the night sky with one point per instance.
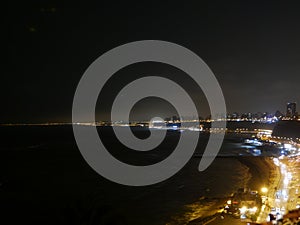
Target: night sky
{"x": 252, "y": 47}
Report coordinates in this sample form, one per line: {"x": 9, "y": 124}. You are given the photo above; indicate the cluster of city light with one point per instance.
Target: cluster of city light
{"x": 244, "y": 210}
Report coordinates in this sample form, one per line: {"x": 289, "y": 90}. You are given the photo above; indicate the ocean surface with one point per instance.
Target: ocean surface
{"x": 45, "y": 180}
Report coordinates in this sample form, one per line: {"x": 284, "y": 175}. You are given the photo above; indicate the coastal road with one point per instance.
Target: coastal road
{"x": 286, "y": 197}
{"x": 294, "y": 187}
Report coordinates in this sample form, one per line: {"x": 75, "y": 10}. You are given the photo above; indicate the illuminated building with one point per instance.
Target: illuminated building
{"x": 291, "y": 110}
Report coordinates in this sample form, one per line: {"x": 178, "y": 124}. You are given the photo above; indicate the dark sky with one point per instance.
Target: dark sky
{"x": 253, "y": 47}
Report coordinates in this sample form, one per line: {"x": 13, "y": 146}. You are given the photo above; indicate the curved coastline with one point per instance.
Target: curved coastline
{"x": 257, "y": 172}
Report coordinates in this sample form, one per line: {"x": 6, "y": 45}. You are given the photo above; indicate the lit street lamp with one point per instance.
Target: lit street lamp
{"x": 264, "y": 190}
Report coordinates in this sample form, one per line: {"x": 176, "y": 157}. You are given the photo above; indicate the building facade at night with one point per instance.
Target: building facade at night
{"x": 291, "y": 110}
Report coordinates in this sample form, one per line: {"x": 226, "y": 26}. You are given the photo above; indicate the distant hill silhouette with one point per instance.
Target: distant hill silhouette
{"x": 290, "y": 129}
{"x": 232, "y": 125}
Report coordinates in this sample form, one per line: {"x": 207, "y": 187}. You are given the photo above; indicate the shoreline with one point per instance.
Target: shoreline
{"x": 253, "y": 165}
